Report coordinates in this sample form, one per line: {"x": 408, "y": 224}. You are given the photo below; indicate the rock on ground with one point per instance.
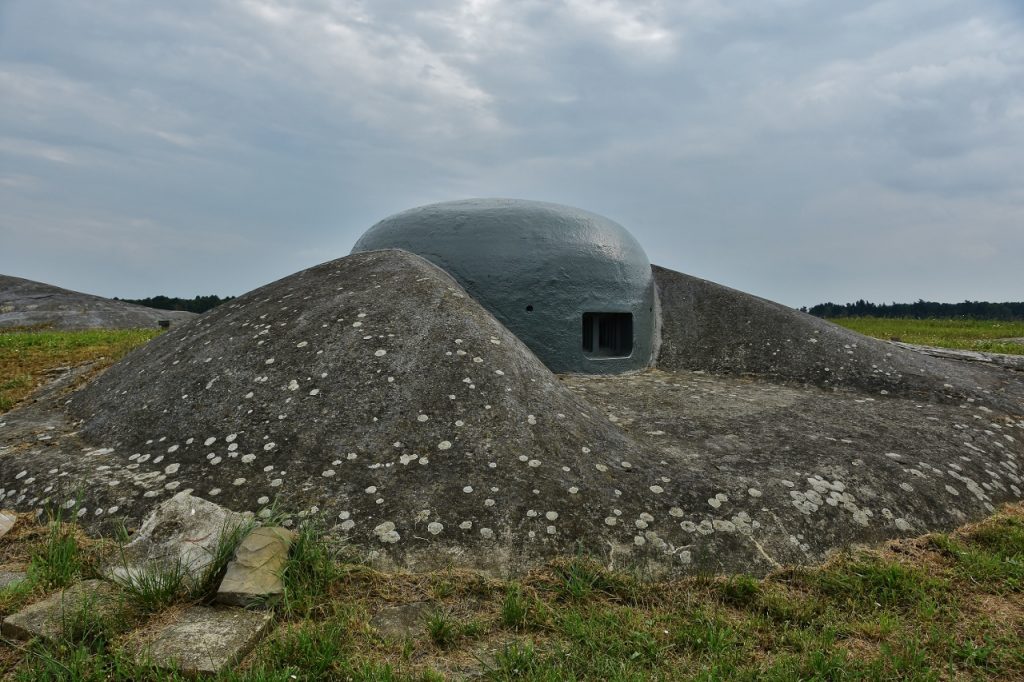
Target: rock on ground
{"x": 254, "y": 577}
{"x": 402, "y": 621}
{"x": 182, "y": 533}
{"x": 11, "y": 578}
{"x": 7, "y": 521}
{"x": 47, "y": 618}
{"x": 204, "y": 640}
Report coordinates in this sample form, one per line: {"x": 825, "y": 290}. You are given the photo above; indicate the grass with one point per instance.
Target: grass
{"x": 944, "y": 606}
{"x": 57, "y": 562}
{"x": 157, "y": 586}
{"x": 515, "y": 609}
{"x": 27, "y": 356}
{"x": 979, "y": 335}
{"x": 993, "y": 554}
{"x": 443, "y": 629}
{"x": 310, "y": 573}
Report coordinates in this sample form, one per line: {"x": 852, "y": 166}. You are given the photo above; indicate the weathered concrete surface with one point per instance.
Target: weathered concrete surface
{"x": 403, "y": 621}
{"x": 7, "y": 521}
{"x": 182, "y": 533}
{"x": 372, "y": 393}
{"x": 804, "y": 471}
{"x": 1014, "y": 362}
{"x": 255, "y": 574}
{"x": 203, "y": 640}
{"x": 707, "y": 326}
{"x": 537, "y": 267}
{"x": 371, "y": 390}
{"x": 48, "y": 617}
{"x": 12, "y": 578}
{"x": 25, "y": 303}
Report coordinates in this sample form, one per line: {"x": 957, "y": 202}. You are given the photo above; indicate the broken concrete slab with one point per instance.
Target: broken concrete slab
{"x": 403, "y": 621}
{"x": 11, "y": 578}
{"x": 7, "y": 521}
{"x": 183, "y": 534}
{"x": 254, "y": 576}
{"x": 48, "y": 618}
{"x": 205, "y": 640}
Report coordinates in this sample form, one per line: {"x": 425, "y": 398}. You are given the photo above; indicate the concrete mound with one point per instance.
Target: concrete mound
{"x": 371, "y": 390}
{"x": 25, "y": 303}
{"x": 710, "y": 327}
{"x": 373, "y": 394}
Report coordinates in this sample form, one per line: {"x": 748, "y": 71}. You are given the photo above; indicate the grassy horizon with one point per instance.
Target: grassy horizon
{"x": 978, "y": 335}
{"x": 940, "y": 606}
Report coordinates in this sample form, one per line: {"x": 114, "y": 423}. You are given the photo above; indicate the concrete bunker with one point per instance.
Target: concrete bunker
{"x": 574, "y": 286}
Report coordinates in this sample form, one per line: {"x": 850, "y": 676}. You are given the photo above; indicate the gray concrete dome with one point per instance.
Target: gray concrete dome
{"x": 574, "y": 286}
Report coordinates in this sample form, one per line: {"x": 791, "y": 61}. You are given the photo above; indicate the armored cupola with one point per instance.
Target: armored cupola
{"x": 574, "y": 286}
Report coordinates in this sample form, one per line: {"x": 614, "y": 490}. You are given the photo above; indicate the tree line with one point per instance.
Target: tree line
{"x": 199, "y": 304}
{"x": 921, "y": 309}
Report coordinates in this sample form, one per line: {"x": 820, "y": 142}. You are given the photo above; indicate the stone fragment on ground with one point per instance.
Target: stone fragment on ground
{"x": 47, "y": 618}
{"x": 181, "y": 534}
{"x": 254, "y": 576}
{"x": 400, "y": 622}
{"x": 11, "y": 578}
{"x": 204, "y": 640}
{"x": 7, "y": 521}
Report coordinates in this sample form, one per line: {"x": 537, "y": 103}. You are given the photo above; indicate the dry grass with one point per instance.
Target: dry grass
{"x": 28, "y": 359}
{"x": 908, "y": 609}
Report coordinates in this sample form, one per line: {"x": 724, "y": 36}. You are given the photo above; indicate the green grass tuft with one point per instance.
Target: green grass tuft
{"x": 205, "y": 584}
{"x": 740, "y": 591}
{"x": 515, "y": 608}
{"x": 442, "y": 628}
{"x": 869, "y": 583}
{"x": 58, "y": 563}
{"x": 310, "y": 648}
{"x": 156, "y": 586}
{"x": 991, "y": 555}
{"x": 582, "y": 577}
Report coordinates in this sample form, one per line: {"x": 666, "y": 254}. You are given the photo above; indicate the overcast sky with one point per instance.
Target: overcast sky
{"x": 803, "y": 151}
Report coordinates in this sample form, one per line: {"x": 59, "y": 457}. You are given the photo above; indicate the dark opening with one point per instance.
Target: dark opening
{"x": 607, "y": 335}
{"x": 529, "y": 308}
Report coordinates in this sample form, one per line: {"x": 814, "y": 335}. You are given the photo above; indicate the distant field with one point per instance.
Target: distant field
{"x": 981, "y": 335}
{"x": 25, "y": 356}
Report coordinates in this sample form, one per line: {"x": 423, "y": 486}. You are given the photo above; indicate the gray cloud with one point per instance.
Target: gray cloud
{"x": 800, "y": 150}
